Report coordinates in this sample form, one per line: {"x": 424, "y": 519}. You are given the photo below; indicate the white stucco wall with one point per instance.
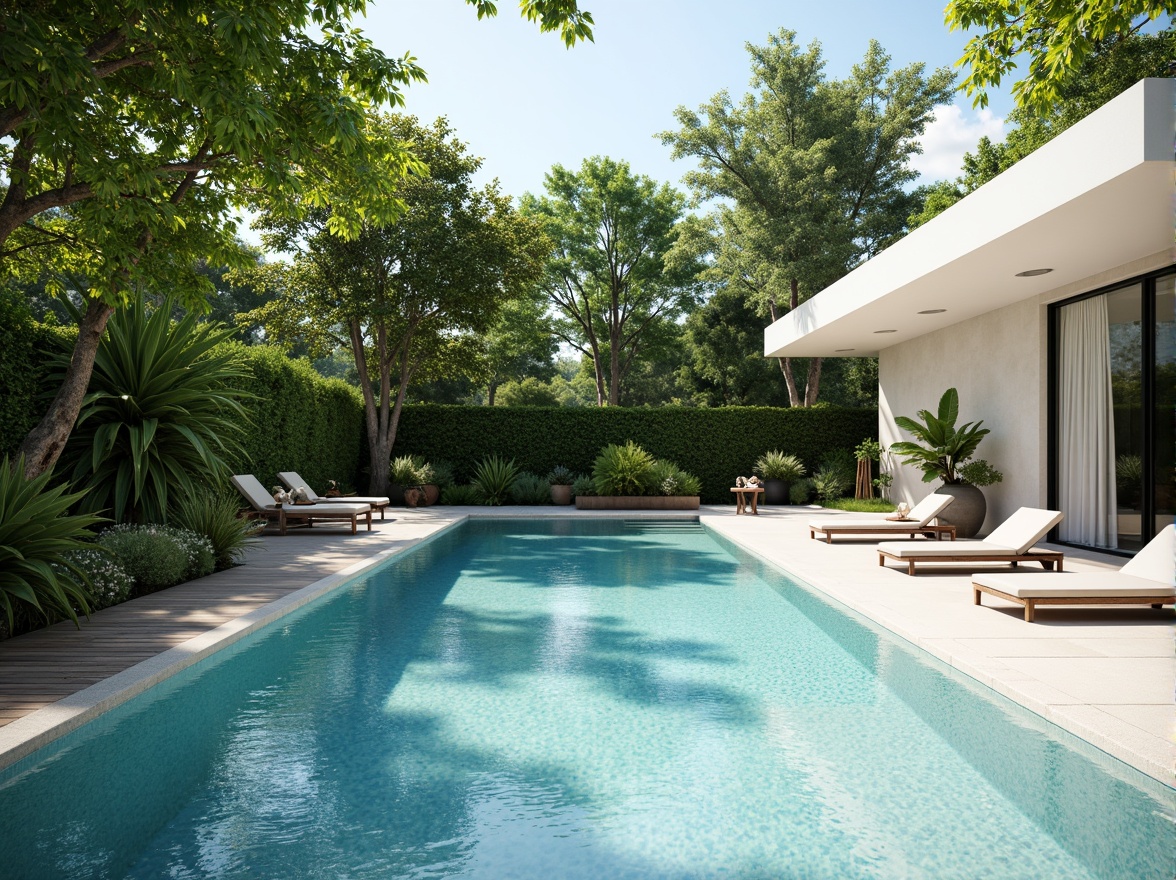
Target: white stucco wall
{"x": 998, "y": 362}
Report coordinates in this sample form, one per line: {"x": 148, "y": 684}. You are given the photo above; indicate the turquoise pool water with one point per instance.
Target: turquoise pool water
{"x": 586, "y": 700}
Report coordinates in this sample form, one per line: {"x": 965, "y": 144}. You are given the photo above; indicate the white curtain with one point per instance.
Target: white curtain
{"x": 1086, "y": 425}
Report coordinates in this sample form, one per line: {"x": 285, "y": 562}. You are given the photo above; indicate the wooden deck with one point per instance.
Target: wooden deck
{"x": 42, "y": 667}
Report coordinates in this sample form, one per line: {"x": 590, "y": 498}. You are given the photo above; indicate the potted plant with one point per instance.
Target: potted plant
{"x": 561, "y": 480}
{"x": 408, "y": 472}
{"x": 942, "y": 452}
{"x": 779, "y": 472}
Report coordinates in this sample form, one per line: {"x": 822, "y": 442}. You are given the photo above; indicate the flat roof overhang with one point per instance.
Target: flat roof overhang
{"x": 1097, "y": 196}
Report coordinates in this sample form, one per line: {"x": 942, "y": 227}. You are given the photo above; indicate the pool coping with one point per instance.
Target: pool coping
{"x": 24, "y": 736}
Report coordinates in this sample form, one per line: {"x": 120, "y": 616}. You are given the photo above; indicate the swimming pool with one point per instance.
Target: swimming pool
{"x": 577, "y": 699}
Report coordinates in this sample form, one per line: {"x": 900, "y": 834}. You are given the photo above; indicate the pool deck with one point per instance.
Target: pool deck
{"x": 1106, "y": 674}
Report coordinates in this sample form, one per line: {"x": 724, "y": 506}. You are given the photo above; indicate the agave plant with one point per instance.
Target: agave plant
{"x": 493, "y": 479}
{"x": 943, "y": 447}
{"x": 37, "y": 539}
{"x": 161, "y": 417}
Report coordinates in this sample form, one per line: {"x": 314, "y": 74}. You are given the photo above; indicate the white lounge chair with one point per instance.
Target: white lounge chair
{"x": 262, "y": 502}
{"x": 292, "y": 480}
{"x": 1148, "y": 579}
{"x": 1011, "y": 541}
{"x": 918, "y": 523}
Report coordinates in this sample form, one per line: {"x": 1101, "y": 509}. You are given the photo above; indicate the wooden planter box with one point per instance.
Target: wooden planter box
{"x": 637, "y": 502}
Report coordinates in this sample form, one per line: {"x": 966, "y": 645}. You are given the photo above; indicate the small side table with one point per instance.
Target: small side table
{"x": 741, "y": 494}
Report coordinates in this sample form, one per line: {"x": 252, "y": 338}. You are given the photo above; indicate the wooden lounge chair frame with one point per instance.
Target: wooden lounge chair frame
{"x": 376, "y": 503}
{"x": 885, "y": 527}
{"x": 305, "y": 514}
{"x": 1049, "y": 559}
{"x": 1031, "y": 602}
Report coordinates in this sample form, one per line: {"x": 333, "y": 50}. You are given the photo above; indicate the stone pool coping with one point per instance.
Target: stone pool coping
{"x": 1062, "y": 668}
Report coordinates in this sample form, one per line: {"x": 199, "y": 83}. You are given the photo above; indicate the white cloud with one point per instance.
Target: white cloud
{"x": 953, "y": 132}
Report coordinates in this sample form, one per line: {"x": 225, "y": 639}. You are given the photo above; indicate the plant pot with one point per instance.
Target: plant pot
{"x": 414, "y": 496}
{"x": 637, "y": 502}
{"x": 776, "y": 491}
{"x": 432, "y": 493}
{"x": 966, "y": 511}
{"x": 561, "y": 494}
{"x": 395, "y": 494}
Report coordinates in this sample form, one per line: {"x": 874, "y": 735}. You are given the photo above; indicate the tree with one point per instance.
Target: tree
{"x": 1059, "y": 38}
{"x": 521, "y": 344}
{"x": 1113, "y": 67}
{"x": 615, "y": 274}
{"x": 409, "y": 298}
{"x": 129, "y": 130}
{"x": 809, "y": 173}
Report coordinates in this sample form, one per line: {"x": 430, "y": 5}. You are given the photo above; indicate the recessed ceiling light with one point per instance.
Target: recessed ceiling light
{"x": 885, "y": 331}
{"x": 1029, "y": 273}
{"x": 842, "y": 349}
{"x": 932, "y": 311}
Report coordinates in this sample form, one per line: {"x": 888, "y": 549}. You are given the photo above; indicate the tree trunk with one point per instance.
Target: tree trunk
{"x": 812, "y": 386}
{"x": 44, "y": 444}
{"x": 614, "y": 375}
{"x": 794, "y": 398}
{"x": 491, "y": 390}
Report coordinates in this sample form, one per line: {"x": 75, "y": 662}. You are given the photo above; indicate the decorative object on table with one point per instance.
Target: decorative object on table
{"x": 333, "y": 490}
{"x": 561, "y": 480}
{"x": 280, "y": 495}
{"x": 779, "y": 472}
{"x": 943, "y": 452}
{"x": 867, "y": 452}
{"x": 299, "y": 495}
{"x": 740, "y": 482}
{"x": 902, "y": 509}
{"x": 753, "y": 482}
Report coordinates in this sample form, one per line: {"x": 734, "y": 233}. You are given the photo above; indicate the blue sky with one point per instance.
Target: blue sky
{"x": 523, "y": 102}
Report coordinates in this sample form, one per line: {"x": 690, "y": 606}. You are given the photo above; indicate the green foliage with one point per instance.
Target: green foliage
{"x": 830, "y": 482}
{"x": 27, "y": 351}
{"x": 775, "y": 465}
{"x": 530, "y": 391}
{"x": 622, "y": 469}
{"x": 560, "y": 476}
{"x": 158, "y": 556}
{"x": 583, "y": 485}
{"x": 941, "y": 446}
{"x": 714, "y": 444}
{"x": 298, "y": 420}
{"x": 460, "y": 495}
{"x": 1059, "y": 38}
{"x": 162, "y": 414}
{"x": 109, "y": 582}
{"x": 530, "y": 489}
{"x": 493, "y": 479}
{"x": 859, "y": 505}
{"x": 1129, "y": 479}
{"x": 410, "y": 470}
{"x": 215, "y": 517}
{"x": 36, "y": 533}
{"x": 666, "y": 478}
{"x": 868, "y": 450}
{"x": 801, "y": 492}
{"x": 979, "y": 473}
{"x": 442, "y": 474}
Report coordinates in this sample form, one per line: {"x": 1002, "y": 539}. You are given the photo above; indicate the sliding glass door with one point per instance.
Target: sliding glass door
{"x": 1114, "y": 421}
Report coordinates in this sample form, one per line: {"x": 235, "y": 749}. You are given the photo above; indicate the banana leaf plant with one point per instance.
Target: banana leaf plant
{"x": 942, "y": 447}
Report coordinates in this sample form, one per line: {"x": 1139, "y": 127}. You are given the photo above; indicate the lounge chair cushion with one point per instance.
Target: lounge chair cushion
{"x": 292, "y": 479}
{"x": 255, "y": 493}
{"x": 880, "y": 525}
{"x": 1156, "y": 561}
{"x": 1024, "y": 528}
{"x": 1087, "y": 584}
{"x": 931, "y": 549}
{"x": 921, "y": 514}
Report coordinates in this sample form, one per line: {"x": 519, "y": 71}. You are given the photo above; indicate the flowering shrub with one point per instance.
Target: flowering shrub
{"x": 110, "y": 583}
{"x": 158, "y": 556}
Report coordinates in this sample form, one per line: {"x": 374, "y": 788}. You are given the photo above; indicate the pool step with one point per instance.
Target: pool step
{"x": 663, "y": 525}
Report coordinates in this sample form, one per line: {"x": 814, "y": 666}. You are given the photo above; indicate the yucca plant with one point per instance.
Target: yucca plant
{"x": 493, "y": 479}
{"x": 37, "y": 537}
{"x": 623, "y": 470}
{"x": 942, "y": 447}
{"x": 161, "y": 416}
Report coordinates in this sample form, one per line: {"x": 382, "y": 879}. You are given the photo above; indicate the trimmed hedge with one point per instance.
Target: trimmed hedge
{"x": 716, "y": 444}
{"x": 301, "y": 422}
{"x": 26, "y": 351}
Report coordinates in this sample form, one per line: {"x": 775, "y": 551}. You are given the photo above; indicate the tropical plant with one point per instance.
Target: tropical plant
{"x": 410, "y": 470}
{"x": 622, "y": 470}
{"x": 460, "y": 495}
{"x": 942, "y": 447}
{"x": 530, "y": 489}
{"x": 560, "y": 476}
{"x": 979, "y": 473}
{"x": 775, "y": 465}
{"x": 162, "y": 416}
{"x": 493, "y": 479}
{"x": 215, "y": 516}
{"x": 583, "y": 485}
{"x": 1129, "y": 479}
{"x": 37, "y": 531}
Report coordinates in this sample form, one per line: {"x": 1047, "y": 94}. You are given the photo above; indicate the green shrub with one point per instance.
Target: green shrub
{"x": 36, "y": 533}
{"x": 530, "y": 489}
{"x": 560, "y": 476}
{"x": 666, "y": 478}
{"x": 215, "y": 516}
{"x": 158, "y": 556}
{"x": 162, "y": 414}
{"x": 716, "y": 444}
{"x": 460, "y": 496}
{"x": 27, "y": 353}
{"x": 442, "y": 474}
{"x": 110, "y": 583}
{"x": 775, "y": 465}
{"x": 801, "y": 492}
{"x": 493, "y": 479}
{"x": 831, "y": 482}
{"x": 623, "y": 470}
{"x": 979, "y": 473}
{"x": 583, "y": 485}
